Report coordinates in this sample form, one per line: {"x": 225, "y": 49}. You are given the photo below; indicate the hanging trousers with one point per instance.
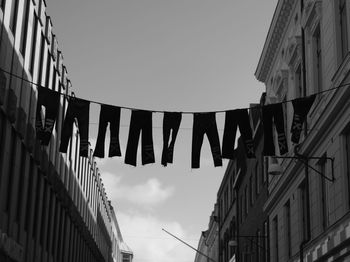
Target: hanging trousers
{"x": 141, "y": 121}
{"x": 50, "y": 100}
{"x": 234, "y": 118}
{"x": 79, "y": 109}
{"x": 301, "y": 107}
{"x": 171, "y": 122}
{"x": 273, "y": 113}
{"x": 205, "y": 123}
{"x": 111, "y": 115}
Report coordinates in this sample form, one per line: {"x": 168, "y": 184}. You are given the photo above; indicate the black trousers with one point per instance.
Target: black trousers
{"x": 79, "y": 109}
{"x": 301, "y": 107}
{"x": 111, "y": 115}
{"x": 171, "y": 122}
{"x": 141, "y": 121}
{"x": 234, "y": 118}
{"x": 273, "y": 114}
{"x": 44, "y": 127}
{"x": 205, "y": 123}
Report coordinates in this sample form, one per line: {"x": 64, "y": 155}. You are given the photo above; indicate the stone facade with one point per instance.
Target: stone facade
{"x": 307, "y": 52}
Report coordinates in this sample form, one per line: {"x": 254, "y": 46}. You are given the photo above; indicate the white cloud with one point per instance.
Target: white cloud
{"x": 151, "y": 193}
{"x": 144, "y": 235}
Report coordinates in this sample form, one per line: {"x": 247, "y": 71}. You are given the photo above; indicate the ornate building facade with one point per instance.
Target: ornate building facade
{"x": 53, "y": 206}
{"x": 307, "y": 52}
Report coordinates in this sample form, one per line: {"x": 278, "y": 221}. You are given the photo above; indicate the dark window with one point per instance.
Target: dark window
{"x": 288, "y": 228}
{"x": 323, "y": 193}
{"x": 48, "y": 70}
{"x": 29, "y": 194}
{"x": 33, "y": 43}
{"x": 251, "y": 190}
{"x": 12, "y": 164}
{"x": 21, "y": 181}
{"x": 318, "y": 58}
{"x": 41, "y": 61}
{"x": 24, "y": 30}
{"x": 246, "y": 200}
{"x": 2, "y": 4}
{"x": 298, "y": 82}
{"x": 347, "y": 149}
{"x": 304, "y": 210}
{"x": 266, "y": 241}
{"x": 275, "y": 231}
{"x": 343, "y": 28}
{"x": 257, "y": 181}
{"x": 13, "y": 17}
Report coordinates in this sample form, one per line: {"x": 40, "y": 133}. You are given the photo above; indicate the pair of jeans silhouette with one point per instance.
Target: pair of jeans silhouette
{"x": 301, "y": 107}
{"x": 205, "y": 123}
{"x": 108, "y": 114}
{"x": 171, "y": 123}
{"x": 141, "y": 122}
{"x": 44, "y": 127}
{"x": 273, "y": 114}
{"x": 234, "y": 118}
{"x": 77, "y": 109}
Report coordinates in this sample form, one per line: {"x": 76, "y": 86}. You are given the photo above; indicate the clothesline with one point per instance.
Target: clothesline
{"x": 161, "y": 111}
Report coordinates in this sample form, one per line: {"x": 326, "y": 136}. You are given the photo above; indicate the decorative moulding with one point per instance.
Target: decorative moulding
{"x": 274, "y": 38}
{"x": 281, "y": 84}
{"x": 293, "y": 53}
{"x": 312, "y": 14}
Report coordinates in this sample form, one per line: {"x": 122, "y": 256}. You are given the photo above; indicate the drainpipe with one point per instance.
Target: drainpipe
{"x": 304, "y": 242}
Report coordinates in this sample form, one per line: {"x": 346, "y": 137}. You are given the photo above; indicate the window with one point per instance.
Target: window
{"x": 317, "y": 59}
{"x": 246, "y": 200}
{"x": 275, "y": 234}
{"x": 251, "y": 190}
{"x": 266, "y": 241}
{"x": 298, "y": 83}
{"x": 303, "y": 210}
{"x": 2, "y": 4}
{"x": 288, "y": 228}
{"x": 41, "y": 59}
{"x": 48, "y": 69}
{"x": 33, "y": 43}
{"x": 258, "y": 246}
{"x": 257, "y": 182}
{"x": 24, "y": 31}
{"x": 13, "y": 16}
{"x": 347, "y": 149}
{"x": 343, "y": 28}
{"x": 265, "y": 165}
{"x": 323, "y": 193}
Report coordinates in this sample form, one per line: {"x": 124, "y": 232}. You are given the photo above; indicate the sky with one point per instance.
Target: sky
{"x": 162, "y": 55}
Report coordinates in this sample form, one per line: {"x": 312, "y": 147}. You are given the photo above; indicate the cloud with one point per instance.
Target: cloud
{"x": 144, "y": 235}
{"x": 150, "y": 193}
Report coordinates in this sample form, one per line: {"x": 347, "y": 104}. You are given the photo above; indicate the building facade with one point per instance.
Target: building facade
{"x": 208, "y": 245}
{"x": 307, "y": 52}
{"x": 251, "y": 189}
{"x": 243, "y": 224}
{"x": 53, "y": 206}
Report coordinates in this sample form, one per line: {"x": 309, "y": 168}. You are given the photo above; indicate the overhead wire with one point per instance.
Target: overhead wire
{"x": 256, "y": 106}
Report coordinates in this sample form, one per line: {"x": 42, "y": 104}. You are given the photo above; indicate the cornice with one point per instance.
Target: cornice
{"x": 274, "y": 37}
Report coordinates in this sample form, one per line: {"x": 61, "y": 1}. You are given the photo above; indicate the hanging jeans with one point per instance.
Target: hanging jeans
{"x": 140, "y": 121}
{"x": 301, "y": 107}
{"x": 50, "y": 100}
{"x": 234, "y": 118}
{"x": 205, "y": 123}
{"x": 109, "y": 114}
{"x": 171, "y": 121}
{"x": 273, "y": 113}
{"x": 79, "y": 109}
